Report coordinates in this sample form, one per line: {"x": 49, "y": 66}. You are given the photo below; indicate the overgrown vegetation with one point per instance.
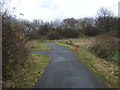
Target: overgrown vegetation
{"x": 52, "y": 35}
{"x": 37, "y": 63}
{"x": 106, "y": 46}
{"x": 33, "y": 68}
{"x": 14, "y": 52}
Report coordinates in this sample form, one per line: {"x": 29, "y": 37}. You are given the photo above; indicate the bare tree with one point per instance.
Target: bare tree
{"x": 104, "y": 21}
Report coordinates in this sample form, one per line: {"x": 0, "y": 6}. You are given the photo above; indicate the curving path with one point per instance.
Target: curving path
{"x": 66, "y": 71}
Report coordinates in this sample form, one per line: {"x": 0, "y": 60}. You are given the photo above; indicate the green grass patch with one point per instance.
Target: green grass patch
{"x": 36, "y": 65}
{"x": 34, "y": 70}
{"x": 106, "y": 70}
{"x": 36, "y": 45}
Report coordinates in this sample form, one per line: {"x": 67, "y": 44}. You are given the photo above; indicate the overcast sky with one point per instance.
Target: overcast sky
{"x": 48, "y": 10}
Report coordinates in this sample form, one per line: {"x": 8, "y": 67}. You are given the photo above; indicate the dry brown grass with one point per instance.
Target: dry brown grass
{"x": 87, "y": 42}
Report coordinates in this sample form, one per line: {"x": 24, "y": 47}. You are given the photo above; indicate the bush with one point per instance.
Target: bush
{"x": 14, "y": 52}
{"x": 68, "y": 33}
{"x": 101, "y": 51}
{"x": 91, "y": 31}
{"x": 106, "y": 47}
{"x": 69, "y": 42}
{"x": 52, "y": 35}
{"x": 31, "y": 36}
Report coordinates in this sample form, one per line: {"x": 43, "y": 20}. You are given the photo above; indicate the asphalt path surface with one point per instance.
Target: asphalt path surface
{"x": 65, "y": 70}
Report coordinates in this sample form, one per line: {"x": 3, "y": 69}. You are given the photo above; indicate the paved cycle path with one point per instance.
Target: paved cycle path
{"x": 66, "y": 71}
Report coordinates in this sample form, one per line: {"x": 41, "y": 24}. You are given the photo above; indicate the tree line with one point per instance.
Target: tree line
{"x": 72, "y": 28}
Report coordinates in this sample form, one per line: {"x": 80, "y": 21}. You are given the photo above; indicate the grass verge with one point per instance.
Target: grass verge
{"x": 36, "y": 65}
{"x": 34, "y": 70}
{"x": 106, "y": 70}
{"x": 36, "y": 45}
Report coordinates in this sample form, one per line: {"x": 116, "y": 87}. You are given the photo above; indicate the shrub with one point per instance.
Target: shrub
{"x": 91, "y": 31}
{"x": 14, "y": 52}
{"x": 101, "y": 50}
{"x": 52, "y": 35}
{"x": 106, "y": 47}
{"x": 31, "y": 36}
{"x": 69, "y": 42}
{"x": 69, "y": 33}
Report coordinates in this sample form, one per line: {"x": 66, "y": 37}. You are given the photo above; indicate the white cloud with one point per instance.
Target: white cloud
{"x": 60, "y": 9}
